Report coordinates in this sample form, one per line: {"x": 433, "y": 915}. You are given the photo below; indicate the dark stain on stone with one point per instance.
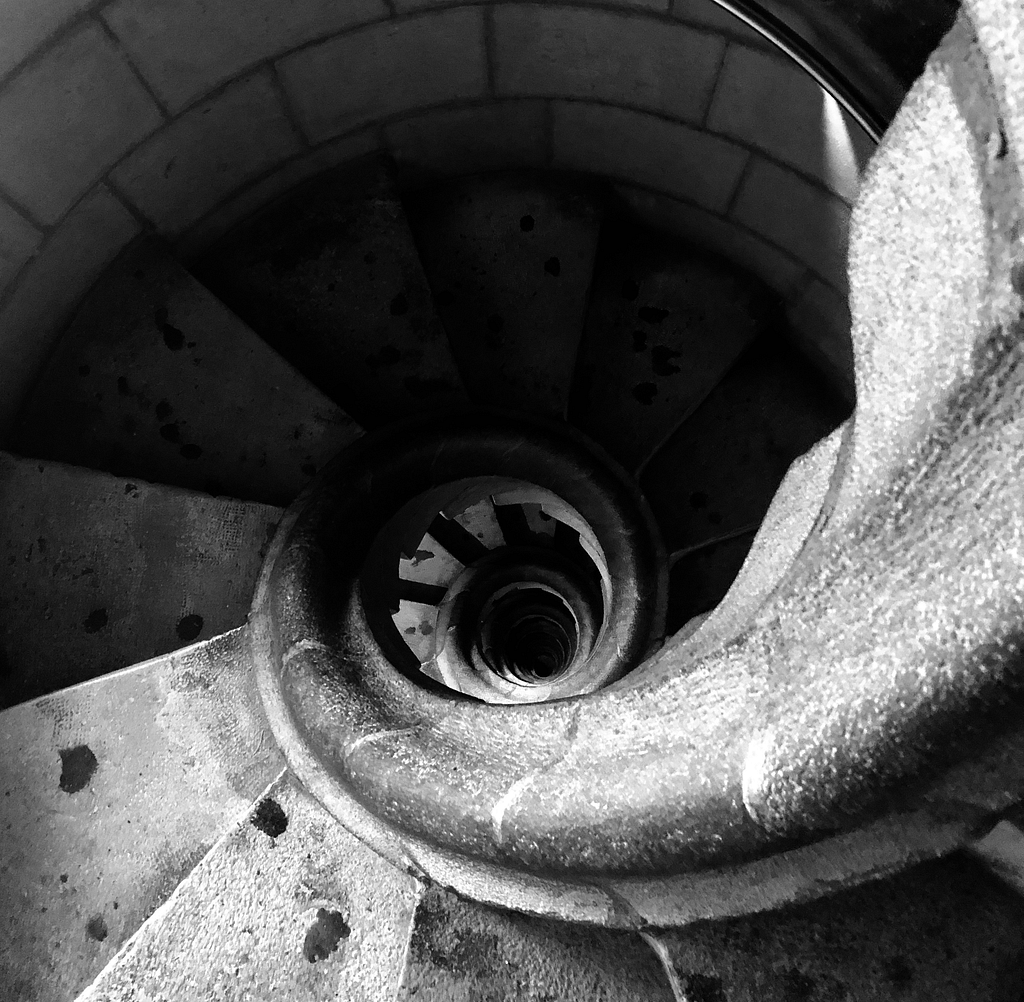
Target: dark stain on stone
{"x": 77, "y": 767}
{"x": 309, "y": 469}
{"x": 63, "y": 878}
{"x": 173, "y": 338}
{"x": 639, "y": 340}
{"x": 269, "y": 817}
{"x": 399, "y": 305}
{"x": 1004, "y": 146}
{"x": 122, "y": 387}
{"x": 526, "y": 223}
{"x": 324, "y": 935}
{"x": 645, "y": 393}
{"x": 170, "y": 432}
{"x": 95, "y": 621}
{"x": 898, "y": 973}
{"x": 131, "y": 489}
{"x": 1017, "y": 278}
{"x": 661, "y": 360}
{"x": 703, "y": 988}
{"x": 630, "y": 290}
{"x": 419, "y": 387}
{"x": 189, "y": 627}
{"x": 84, "y": 370}
{"x": 553, "y": 267}
{"x": 163, "y": 410}
{"x": 191, "y": 451}
{"x": 651, "y": 314}
{"x": 96, "y": 928}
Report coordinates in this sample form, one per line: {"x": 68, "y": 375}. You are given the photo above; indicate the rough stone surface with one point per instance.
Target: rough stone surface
{"x": 100, "y": 573}
{"x": 212, "y": 42}
{"x": 798, "y": 216}
{"x": 75, "y": 112}
{"x": 461, "y": 952}
{"x": 187, "y": 168}
{"x": 649, "y": 151}
{"x": 112, "y": 792}
{"x": 449, "y": 142}
{"x": 51, "y": 286}
{"x": 290, "y": 906}
{"x": 720, "y": 470}
{"x": 600, "y": 56}
{"x": 386, "y": 69}
{"x": 331, "y": 278}
{"x": 509, "y": 259}
{"x": 157, "y": 379}
{"x": 664, "y": 325}
{"x": 790, "y": 518}
{"x": 944, "y": 932}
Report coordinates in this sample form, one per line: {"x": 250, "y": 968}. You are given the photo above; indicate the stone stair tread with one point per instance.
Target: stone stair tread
{"x": 332, "y": 279}
{"x": 509, "y": 258}
{"x": 157, "y": 379}
{"x": 290, "y": 906}
{"x": 464, "y": 950}
{"x": 664, "y": 325}
{"x": 720, "y": 470}
{"x": 113, "y": 790}
{"x": 102, "y": 572}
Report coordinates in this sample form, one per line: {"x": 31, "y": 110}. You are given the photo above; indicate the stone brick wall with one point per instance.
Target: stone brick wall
{"x": 182, "y": 116}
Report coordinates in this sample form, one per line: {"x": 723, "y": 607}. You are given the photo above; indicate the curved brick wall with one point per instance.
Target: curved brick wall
{"x": 183, "y": 116}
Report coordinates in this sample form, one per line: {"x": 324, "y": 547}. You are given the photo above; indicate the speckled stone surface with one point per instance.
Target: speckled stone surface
{"x": 287, "y": 905}
{"x": 944, "y": 932}
{"x": 110, "y": 793}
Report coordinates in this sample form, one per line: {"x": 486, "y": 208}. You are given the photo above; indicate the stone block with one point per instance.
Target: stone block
{"x": 51, "y": 286}
{"x": 775, "y": 267}
{"x": 449, "y": 142}
{"x": 28, "y": 24}
{"x": 385, "y": 70}
{"x": 74, "y": 113}
{"x": 647, "y": 151}
{"x": 190, "y": 166}
{"x": 18, "y": 242}
{"x": 769, "y": 102}
{"x": 708, "y": 14}
{"x": 599, "y": 55}
{"x": 185, "y": 48}
{"x": 798, "y": 216}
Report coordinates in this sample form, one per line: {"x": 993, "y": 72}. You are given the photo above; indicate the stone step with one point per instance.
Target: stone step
{"x": 101, "y": 572}
{"x": 510, "y": 259}
{"x": 287, "y": 905}
{"x": 159, "y": 380}
{"x": 665, "y": 324}
{"x": 112, "y": 792}
{"x": 331, "y": 278}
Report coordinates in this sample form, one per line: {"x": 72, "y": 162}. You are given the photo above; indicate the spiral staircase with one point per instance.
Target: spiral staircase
{"x": 457, "y": 546}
